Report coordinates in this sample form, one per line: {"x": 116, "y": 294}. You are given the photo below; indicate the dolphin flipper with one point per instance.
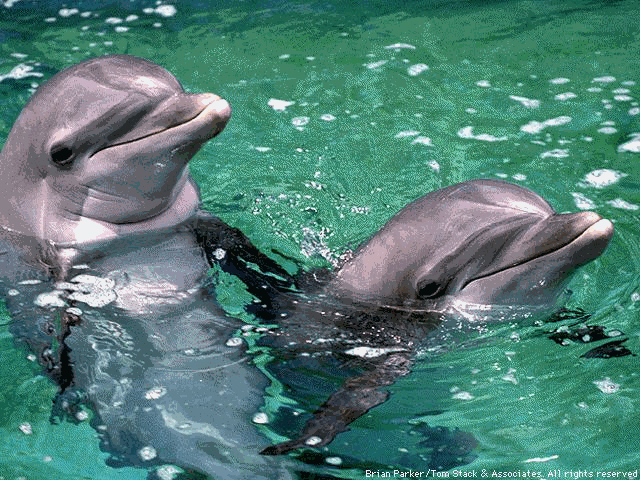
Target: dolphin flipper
{"x": 357, "y": 396}
{"x": 234, "y": 253}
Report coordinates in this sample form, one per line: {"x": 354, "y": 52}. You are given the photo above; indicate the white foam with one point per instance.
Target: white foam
{"x": 26, "y": 428}
{"x": 155, "y": 393}
{"x": 510, "y": 377}
{"x": 417, "y": 69}
{"x": 467, "y": 132}
{"x": 260, "y": 418}
{"x": 313, "y": 441}
{"x": 565, "y": 96}
{"x": 462, "y": 396}
{"x": 422, "y": 141}
{"x": 299, "y": 121}
{"x": 398, "y": 46}
{"x": 166, "y": 10}
{"x": 279, "y": 105}
{"x": 94, "y": 291}
{"x": 21, "y": 71}
{"x": 526, "y": 102}
{"x": 147, "y": 453}
{"x": 605, "y": 79}
{"x": 113, "y": 20}
{"x": 582, "y": 201}
{"x": 606, "y": 385}
{"x": 50, "y": 300}
{"x": 632, "y": 145}
{"x": 557, "y": 153}
{"x": 602, "y": 178}
{"x": 407, "y": 133}
{"x": 559, "y": 81}
{"x": 483, "y": 83}
{"x": 374, "y": 65}
{"x": 621, "y": 90}
{"x": 67, "y": 12}
{"x": 622, "y": 204}
{"x": 534, "y": 127}
{"x": 372, "y": 352}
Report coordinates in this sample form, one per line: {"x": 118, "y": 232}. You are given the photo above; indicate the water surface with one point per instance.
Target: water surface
{"x": 345, "y": 112}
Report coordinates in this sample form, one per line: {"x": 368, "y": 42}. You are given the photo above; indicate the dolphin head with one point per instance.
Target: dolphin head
{"x": 102, "y": 149}
{"x": 483, "y": 242}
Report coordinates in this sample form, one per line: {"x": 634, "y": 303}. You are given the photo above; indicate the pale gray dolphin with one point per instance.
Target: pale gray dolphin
{"x": 101, "y": 151}
{"x": 96, "y": 191}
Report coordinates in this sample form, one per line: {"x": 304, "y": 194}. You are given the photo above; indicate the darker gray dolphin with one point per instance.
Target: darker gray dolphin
{"x": 104, "y": 261}
{"x": 444, "y": 266}
{"x": 485, "y": 242}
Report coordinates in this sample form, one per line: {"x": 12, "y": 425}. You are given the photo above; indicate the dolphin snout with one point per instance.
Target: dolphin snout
{"x": 214, "y": 109}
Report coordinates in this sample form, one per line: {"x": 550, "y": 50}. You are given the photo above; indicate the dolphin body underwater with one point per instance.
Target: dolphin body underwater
{"x": 105, "y": 251}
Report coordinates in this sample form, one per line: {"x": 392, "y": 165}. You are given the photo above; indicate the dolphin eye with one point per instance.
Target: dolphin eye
{"x": 61, "y": 155}
{"x": 429, "y": 289}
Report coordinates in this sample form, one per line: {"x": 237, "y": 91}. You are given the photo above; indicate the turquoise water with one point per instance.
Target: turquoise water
{"x": 379, "y": 104}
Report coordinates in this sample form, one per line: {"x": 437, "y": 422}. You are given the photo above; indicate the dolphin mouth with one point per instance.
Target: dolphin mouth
{"x": 207, "y": 113}
{"x": 587, "y": 243}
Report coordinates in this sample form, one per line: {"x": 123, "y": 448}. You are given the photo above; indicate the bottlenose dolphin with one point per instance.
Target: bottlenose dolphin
{"x": 485, "y": 242}
{"x": 105, "y": 255}
{"x": 452, "y": 261}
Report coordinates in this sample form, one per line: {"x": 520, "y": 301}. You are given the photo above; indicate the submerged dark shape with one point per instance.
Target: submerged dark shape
{"x": 609, "y": 350}
{"x": 105, "y": 256}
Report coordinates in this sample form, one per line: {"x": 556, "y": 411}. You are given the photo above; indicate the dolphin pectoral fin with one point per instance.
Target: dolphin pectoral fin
{"x": 229, "y": 248}
{"x": 332, "y": 418}
{"x": 357, "y": 396}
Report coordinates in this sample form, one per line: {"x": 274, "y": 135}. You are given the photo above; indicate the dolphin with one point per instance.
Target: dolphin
{"x": 104, "y": 261}
{"x": 454, "y": 260}
{"x": 483, "y": 241}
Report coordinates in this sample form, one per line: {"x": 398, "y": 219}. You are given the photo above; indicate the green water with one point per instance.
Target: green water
{"x": 371, "y": 129}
